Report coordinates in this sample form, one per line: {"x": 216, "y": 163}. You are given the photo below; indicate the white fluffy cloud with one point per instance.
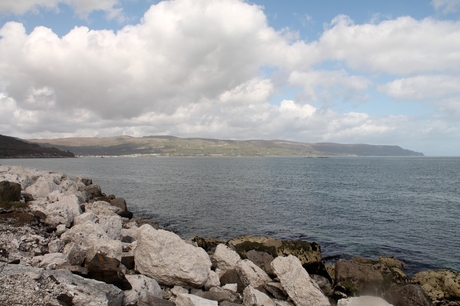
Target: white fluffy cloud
{"x": 196, "y": 68}
{"x": 402, "y": 46}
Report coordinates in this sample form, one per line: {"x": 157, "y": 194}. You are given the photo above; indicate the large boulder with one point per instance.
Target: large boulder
{"x": 439, "y": 285}
{"x": 61, "y": 212}
{"x": 306, "y": 252}
{"x": 10, "y": 191}
{"x": 407, "y": 295}
{"x": 92, "y": 239}
{"x": 357, "y": 277}
{"x": 44, "y": 185}
{"x": 25, "y": 285}
{"x": 297, "y": 283}
{"x": 165, "y": 257}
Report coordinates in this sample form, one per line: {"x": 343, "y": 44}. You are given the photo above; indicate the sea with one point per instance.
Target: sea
{"x": 406, "y": 207}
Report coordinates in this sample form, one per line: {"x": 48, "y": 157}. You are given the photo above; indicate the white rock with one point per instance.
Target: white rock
{"x": 144, "y": 289}
{"x": 92, "y": 239}
{"x": 213, "y": 280}
{"x": 231, "y": 287}
{"x": 50, "y": 261}
{"x": 225, "y": 258}
{"x": 254, "y": 297}
{"x": 297, "y": 282}
{"x": 363, "y": 301}
{"x": 55, "y": 246}
{"x": 42, "y": 187}
{"x": 193, "y": 300}
{"x": 165, "y": 257}
{"x": 61, "y": 212}
{"x": 60, "y": 229}
{"x": 102, "y": 208}
{"x": 129, "y": 233}
{"x": 86, "y": 216}
{"x": 251, "y": 274}
{"x": 282, "y": 303}
{"x": 111, "y": 225}
{"x": 176, "y": 290}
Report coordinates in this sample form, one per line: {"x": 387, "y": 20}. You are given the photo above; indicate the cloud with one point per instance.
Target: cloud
{"x": 441, "y": 91}
{"x": 423, "y": 87}
{"x": 326, "y": 86}
{"x": 402, "y": 46}
{"x": 194, "y": 68}
{"x": 81, "y": 7}
{"x": 446, "y": 6}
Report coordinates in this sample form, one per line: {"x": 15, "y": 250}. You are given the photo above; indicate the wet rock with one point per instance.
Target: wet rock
{"x": 120, "y": 203}
{"x": 297, "y": 283}
{"x": 207, "y": 243}
{"x": 165, "y": 257}
{"x": 357, "y": 277}
{"x": 306, "y": 252}
{"x": 407, "y": 295}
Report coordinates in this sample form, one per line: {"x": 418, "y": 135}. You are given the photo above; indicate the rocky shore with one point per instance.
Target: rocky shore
{"x": 64, "y": 242}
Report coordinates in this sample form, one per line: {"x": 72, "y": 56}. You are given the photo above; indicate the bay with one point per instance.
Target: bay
{"x": 406, "y": 207}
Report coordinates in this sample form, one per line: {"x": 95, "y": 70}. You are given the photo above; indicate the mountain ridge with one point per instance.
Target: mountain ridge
{"x": 12, "y": 147}
{"x": 166, "y": 145}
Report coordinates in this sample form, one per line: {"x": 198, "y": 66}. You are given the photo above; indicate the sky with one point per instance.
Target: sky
{"x": 354, "y": 71}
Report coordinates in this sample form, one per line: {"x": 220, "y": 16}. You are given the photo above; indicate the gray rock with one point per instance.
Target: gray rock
{"x": 120, "y": 203}
{"x": 25, "y": 285}
{"x": 407, "y": 295}
{"x": 262, "y": 260}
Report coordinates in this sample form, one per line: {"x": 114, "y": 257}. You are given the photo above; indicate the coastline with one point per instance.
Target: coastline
{"x": 61, "y": 210}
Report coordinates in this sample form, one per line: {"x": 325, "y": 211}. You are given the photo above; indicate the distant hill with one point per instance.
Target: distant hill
{"x": 175, "y": 146}
{"x": 11, "y": 147}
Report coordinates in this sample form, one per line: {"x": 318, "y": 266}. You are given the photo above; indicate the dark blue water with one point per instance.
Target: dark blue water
{"x": 404, "y": 207}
